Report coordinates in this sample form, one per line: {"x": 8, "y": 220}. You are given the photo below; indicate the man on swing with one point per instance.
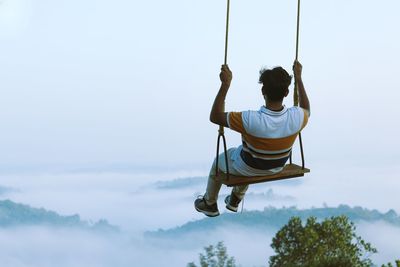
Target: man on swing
{"x": 267, "y": 134}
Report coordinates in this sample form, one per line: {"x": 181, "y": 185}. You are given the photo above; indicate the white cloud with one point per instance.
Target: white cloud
{"x": 384, "y": 237}
{"x": 133, "y": 203}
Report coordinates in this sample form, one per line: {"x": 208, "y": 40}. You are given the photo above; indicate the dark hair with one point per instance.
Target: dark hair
{"x": 275, "y": 83}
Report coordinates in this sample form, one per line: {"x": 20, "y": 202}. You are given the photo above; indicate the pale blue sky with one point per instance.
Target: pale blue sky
{"x": 100, "y": 84}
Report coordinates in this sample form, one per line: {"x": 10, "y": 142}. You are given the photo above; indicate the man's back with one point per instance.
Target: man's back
{"x": 267, "y": 138}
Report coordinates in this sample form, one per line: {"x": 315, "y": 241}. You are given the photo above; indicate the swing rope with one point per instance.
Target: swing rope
{"x": 295, "y": 94}
{"x": 221, "y": 134}
{"x": 226, "y": 32}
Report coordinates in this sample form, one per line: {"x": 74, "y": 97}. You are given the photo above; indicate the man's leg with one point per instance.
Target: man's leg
{"x": 213, "y": 185}
{"x": 232, "y": 201}
{"x": 240, "y": 191}
{"x": 208, "y": 203}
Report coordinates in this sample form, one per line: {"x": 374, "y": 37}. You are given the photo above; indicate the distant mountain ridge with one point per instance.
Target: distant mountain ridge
{"x": 180, "y": 183}
{"x": 15, "y": 214}
{"x": 274, "y": 218}
{"x": 5, "y": 190}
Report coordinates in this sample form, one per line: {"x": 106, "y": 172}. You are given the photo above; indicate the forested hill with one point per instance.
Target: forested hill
{"x": 273, "y": 219}
{"x": 14, "y": 214}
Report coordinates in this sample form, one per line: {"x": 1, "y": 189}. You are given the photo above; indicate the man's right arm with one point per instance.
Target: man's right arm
{"x": 303, "y": 99}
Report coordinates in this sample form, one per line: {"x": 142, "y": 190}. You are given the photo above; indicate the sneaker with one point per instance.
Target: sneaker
{"x": 232, "y": 202}
{"x": 201, "y": 205}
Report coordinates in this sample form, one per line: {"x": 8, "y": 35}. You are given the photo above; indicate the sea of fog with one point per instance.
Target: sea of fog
{"x": 140, "y": 202}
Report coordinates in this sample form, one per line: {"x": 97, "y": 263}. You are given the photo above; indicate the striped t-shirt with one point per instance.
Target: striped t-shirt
{"x": 267, "y": 138}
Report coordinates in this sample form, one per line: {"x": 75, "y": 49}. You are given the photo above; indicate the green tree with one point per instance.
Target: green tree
{"x": 332, "y": 242}
{"x": 215, "y": 256}
{"x": 391, "y": 265}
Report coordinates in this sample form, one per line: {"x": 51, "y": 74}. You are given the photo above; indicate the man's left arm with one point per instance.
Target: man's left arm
{"x": 218, "y": 114}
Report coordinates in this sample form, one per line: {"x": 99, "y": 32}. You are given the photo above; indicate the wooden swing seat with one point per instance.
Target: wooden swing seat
{"x": 289, "y": 171}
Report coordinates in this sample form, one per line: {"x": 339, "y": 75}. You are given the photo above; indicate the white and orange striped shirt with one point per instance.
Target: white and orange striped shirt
{"x": 267, "y": 138}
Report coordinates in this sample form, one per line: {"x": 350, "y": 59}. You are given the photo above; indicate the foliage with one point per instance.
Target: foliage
{"x": 215, "y": 256}
{"x": 391, "y": 265}
{"x": 332, "y": 242}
